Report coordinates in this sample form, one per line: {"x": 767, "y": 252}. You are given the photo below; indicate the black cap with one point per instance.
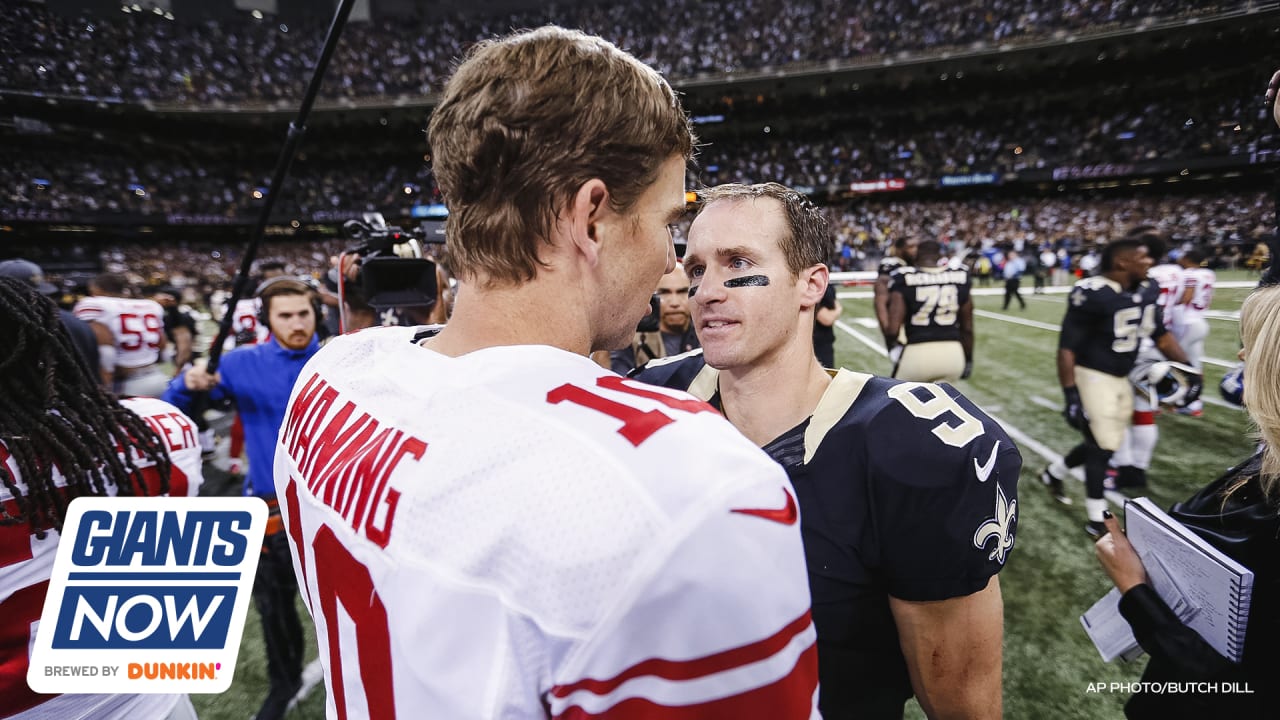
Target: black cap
{"x": 28, "y": 272}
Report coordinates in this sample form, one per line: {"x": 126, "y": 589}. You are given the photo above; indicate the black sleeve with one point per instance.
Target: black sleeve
{"x": 1075, "y": 330}
{"x": 1178, "y": 648}
{"x": 946, "y": 515}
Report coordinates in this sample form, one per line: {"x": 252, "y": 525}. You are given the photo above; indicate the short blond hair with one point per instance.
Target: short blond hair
{"x": 529, "y": 118}
{"x": 1260, "y": 331}
{"x": 808, "y": 241}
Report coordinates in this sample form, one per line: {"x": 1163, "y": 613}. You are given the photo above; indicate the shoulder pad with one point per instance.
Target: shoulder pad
{"x": 891, "y": 263}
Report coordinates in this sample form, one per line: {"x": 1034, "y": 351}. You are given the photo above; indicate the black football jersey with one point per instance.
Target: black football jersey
{"x": 1105, "y": 324}
{"x": 890, "y": 263}
{"x": 906, "y": 490}
{"x": 933, "y": 297}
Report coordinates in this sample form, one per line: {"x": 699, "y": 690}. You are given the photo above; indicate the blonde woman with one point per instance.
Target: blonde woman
{"x": 1237, "y": 513}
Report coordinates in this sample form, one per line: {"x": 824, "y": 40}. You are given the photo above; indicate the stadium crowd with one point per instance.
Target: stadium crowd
{"x": 1223, "y": 220}
{"x": 868, "y": 145}
{"x": 56, "y": 178}
{"x": 1230, "y": 224}
{"x": 140, "y": 55}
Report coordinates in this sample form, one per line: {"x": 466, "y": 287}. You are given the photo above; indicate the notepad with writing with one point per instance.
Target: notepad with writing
{"x": 1205, "y": 588}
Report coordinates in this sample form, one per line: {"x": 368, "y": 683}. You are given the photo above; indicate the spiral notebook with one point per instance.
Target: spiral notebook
{"x": 1207, "y": 590}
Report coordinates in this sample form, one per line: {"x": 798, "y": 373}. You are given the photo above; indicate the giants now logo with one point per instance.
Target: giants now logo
{"x": 148, "y": 583}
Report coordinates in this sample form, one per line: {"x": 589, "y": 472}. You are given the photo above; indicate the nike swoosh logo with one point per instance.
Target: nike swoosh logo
{"x": 984, "y": 470}
{"x": 787, "y": 514}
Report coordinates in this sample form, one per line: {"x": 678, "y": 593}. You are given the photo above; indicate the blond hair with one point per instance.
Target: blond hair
{"x": 808, "y": 241}
{"x": 524, "y": 122}
{"x": 1260, "y": 332}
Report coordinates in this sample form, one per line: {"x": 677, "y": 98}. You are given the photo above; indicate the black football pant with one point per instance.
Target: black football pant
{"x": 1095, "y": 460}
{"x": 1011, "y": 286}
{"x": 275, "y": 591}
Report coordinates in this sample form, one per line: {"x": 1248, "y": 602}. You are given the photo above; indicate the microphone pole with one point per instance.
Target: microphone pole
{"x": 296, "y": 130}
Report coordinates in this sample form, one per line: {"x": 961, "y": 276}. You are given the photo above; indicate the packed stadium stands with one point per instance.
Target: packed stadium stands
{"x": 265, "y": 59}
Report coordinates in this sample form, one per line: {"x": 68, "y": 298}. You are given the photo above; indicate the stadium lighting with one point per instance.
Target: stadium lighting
{"x": 256, "y": 14}
{"x": 140, "y": 192}
{"x": 1017, "y": 150}
{"x": 158, "y": 11}
{"x": 135, "y": 7}
{"x": 284, "y": 28}
{"x": 257, "y": 194}
{"x": 125, "y": 8}
{"x": 295, "y": 224}
{"x": 408, "y": 190}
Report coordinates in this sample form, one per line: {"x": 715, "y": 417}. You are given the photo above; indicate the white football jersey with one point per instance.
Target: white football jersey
{"x": 546, "y": 538}
{"x": 1200, "y": 282}
{"x": 136, "y": 324}
{"x": 1167, "y": 277}
{"x": 245, "y": 320}
{"x": 26, "y": 564}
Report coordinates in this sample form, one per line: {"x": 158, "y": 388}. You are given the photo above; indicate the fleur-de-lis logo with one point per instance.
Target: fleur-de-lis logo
{"x": 999, "y": 527}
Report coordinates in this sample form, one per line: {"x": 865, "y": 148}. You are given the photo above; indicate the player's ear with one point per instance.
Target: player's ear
{"x": 587, "y": 218}
{"x": 813, "y": 284}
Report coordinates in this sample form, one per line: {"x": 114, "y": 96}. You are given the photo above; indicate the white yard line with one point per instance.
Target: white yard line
{"x": 861, "y": 294}
{"x": 312, "y": 675}
{"x": 1045, "y": 403}
{"x": 1026, "y": 441}
{"x": 875, "y": 345}
{"x": 1017, "y": 320}
{"x": 1055, "y": 328}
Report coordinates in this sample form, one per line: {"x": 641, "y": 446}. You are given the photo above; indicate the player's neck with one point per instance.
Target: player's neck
{"x": 529, "y": 314}
{"x": 770, "y": 398}
{"x": 1122, "y": 279}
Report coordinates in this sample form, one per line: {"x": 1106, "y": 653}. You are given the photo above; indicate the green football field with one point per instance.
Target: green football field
{"x": 1051, "y": 576}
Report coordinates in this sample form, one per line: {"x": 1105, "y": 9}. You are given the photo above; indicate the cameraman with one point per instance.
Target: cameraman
{"x": 670, "y": 335}
{"x": 258, "y": 378}
{"x": 408, "y": 288}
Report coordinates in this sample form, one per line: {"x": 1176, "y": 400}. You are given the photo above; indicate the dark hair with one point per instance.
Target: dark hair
{"x": 929, "y": 250}
{"x": 808, "y": 241}
{"x": 1195, "y": 255}
{"x": 1156, "y": 242}
{"x": 1115, "y": 247}
{"x": 524, "y": 122}
{"x": 113, "y": 283}
{"x": 54, "y": 413}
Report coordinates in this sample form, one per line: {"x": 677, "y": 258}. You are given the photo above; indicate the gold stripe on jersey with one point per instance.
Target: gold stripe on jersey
{"x": 840, "y": 395}
{"x": 706, "y": 384}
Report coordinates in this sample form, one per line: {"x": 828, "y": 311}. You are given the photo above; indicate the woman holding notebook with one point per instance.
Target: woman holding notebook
{"x": 1239, "y": 515}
